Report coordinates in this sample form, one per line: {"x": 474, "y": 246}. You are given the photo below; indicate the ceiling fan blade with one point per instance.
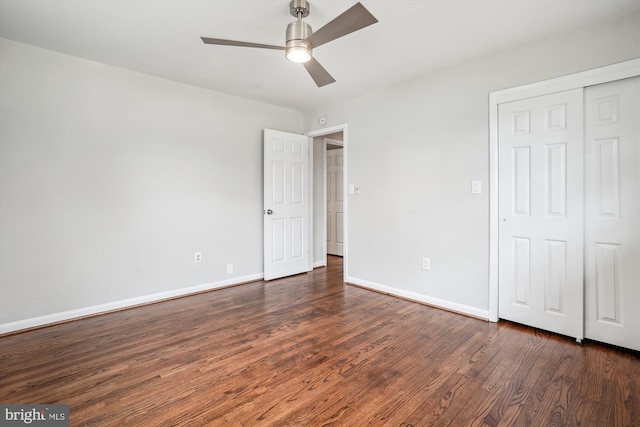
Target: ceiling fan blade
{"x": 353, "y": 19}
{"x": 223, "y": 42}
{"x": 318, "y": 73}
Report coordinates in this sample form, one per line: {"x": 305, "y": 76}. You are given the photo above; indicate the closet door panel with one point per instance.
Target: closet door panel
{"x": 540, "y": 146}
{"x": 612, "y": 232}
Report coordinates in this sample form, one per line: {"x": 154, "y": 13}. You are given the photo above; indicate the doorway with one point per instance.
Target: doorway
{"x": 330, "y": 136}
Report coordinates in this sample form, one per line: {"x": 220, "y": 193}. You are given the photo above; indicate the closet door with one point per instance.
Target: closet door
{"x": 540, "y": 145}
{"x": 612, "y": 246}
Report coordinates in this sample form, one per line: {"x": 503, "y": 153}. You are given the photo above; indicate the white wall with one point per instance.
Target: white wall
{"x": 110, "y": 180}
{"x": 414, "y": 150}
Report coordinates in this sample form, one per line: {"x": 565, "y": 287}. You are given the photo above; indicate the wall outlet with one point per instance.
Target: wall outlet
{"x": 426, "y": 263}
{"x": 229, "y": 268}
{"x": 197, "y": 257}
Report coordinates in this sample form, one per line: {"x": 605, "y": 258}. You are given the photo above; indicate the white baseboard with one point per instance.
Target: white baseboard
{"x": 122, "y": 304}
{"x": 436, "y": 302}
{"x": 146, "y": 299}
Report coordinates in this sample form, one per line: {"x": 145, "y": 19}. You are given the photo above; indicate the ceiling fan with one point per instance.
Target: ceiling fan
{"x": 300, "y": 39}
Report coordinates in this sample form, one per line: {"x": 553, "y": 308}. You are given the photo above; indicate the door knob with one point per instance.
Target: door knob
{"x": 268, "y": 211}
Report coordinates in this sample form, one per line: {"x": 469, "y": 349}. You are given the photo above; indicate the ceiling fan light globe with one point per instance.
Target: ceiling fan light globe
{"x": 298, "y": 53}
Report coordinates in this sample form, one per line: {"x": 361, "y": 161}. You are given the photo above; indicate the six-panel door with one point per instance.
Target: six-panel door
{"x": 286, "y": 204}
{"x": 541, "y": 210}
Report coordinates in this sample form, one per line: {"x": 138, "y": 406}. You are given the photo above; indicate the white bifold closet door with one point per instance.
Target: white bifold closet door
{"x": 612, "y": 244}
{"x": 570, "y": 212}
{"x": 541, "y": 212}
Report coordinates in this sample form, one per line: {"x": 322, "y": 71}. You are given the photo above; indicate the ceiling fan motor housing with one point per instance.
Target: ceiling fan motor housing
{"x": 298, "y": 31}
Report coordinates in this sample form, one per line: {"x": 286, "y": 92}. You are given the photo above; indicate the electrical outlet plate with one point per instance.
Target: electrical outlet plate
{"x": 197, "y": 257}
{"x": 476, "y": 187}
{"x": 426, "y": 263}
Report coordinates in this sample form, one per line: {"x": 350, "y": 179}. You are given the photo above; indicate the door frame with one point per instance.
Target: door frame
{"x": 605, "y": 74}
{"x": 321, "y": 133}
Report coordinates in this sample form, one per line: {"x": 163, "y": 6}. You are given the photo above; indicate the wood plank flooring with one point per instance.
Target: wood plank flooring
{"x": 311, "y": 351}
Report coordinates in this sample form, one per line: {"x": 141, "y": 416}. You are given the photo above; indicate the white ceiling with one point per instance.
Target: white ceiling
{"x": 412, "y": 38}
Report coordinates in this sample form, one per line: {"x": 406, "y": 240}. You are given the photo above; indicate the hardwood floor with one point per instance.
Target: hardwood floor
{"x": 311, "y": 351}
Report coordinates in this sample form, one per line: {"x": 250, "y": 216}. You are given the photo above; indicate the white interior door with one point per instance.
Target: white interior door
{"x": 540, "y": 149}
{"x": 335, "y": 202}
{"x": 612, "y": 133}
{"x": 286, "y": 204}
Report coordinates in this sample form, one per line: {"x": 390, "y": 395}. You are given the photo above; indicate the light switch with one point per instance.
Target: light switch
{"x": 476, "y": 187}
